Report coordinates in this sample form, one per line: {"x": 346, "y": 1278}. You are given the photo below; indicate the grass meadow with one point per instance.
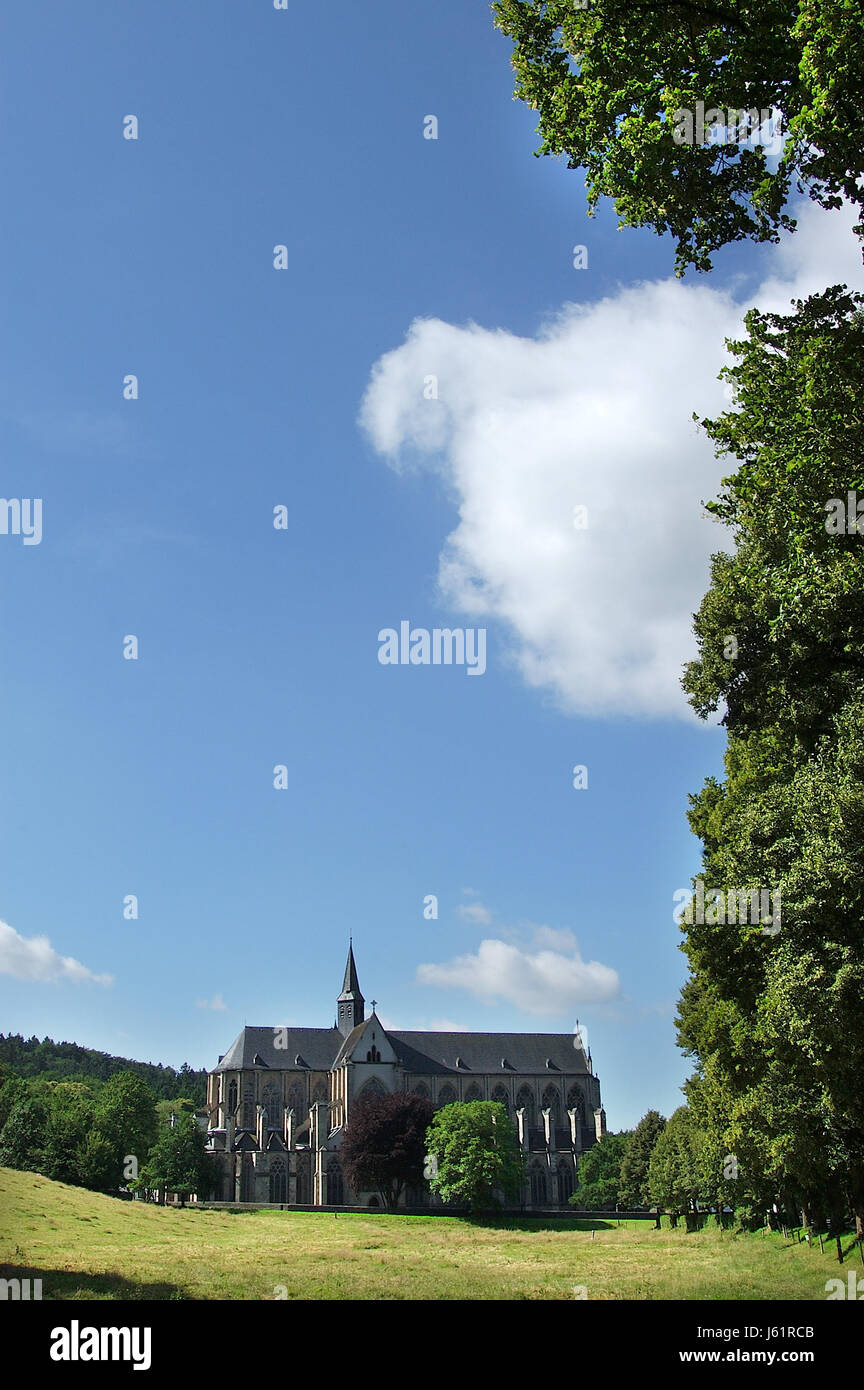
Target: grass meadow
{"x": 86, "y": 1246}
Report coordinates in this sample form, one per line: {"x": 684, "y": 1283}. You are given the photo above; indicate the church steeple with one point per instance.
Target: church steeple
{"x": 350, "y": 1004}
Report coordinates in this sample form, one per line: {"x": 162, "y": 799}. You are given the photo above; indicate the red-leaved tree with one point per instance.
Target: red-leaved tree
{"x": 384, "y": 1145}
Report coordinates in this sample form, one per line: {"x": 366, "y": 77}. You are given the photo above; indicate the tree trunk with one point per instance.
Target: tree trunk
{"x": 856, "y": 1201}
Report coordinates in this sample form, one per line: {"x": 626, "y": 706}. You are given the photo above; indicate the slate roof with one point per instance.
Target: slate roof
{"x": 483, "y": 1052}
{"x": 430, "y": 1053}
{"x": 316, "y": 1047}
{"x": 349, "y": 1041}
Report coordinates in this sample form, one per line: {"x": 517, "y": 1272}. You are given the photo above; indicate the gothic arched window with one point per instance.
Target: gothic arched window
{"x": 335, "y": 1186}
{"x": 421, "y": 1090}
{"x": 552, "y": 1101}
{"x": 500, "y": 1097}
{"x": 247, "y": 1175}
{"x": 525, "y": 1101}
{"x": 232, "y": 1099}
{"x": 272, "y": 1102}
{"x": 565, "y": 1184}
{"x": 372, "y": 1088}
{"x": 473, "y": 1092}
{"x": 297, "y": 1101}
{"x": 576, "y": 1100}
{"x": 538, "y": 1186}
{"x": 320, "y": 1091}
{"x": 302, "y": 1186}
{"x": 278, "y": 1181}
{"x": 447, "y": 1095}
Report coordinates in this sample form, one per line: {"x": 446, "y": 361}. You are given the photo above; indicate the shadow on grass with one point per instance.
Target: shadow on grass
{"x": 64, "y": 1285}
{"x": 539, "y": 1223}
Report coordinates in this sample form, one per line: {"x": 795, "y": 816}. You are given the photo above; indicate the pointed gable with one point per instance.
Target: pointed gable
{"x": 368, "y": 1042}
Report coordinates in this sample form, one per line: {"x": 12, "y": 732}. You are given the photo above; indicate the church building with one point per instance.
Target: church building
{"x": 279, "y": 1100}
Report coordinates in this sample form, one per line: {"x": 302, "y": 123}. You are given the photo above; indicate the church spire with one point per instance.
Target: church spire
{"x": 351, "y": 1004}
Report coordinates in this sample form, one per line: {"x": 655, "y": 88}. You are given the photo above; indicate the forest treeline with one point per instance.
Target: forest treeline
{"x": 65, "y": 1061}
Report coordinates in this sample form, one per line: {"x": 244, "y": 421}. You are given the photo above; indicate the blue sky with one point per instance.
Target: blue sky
{"x": 258, "y": 647}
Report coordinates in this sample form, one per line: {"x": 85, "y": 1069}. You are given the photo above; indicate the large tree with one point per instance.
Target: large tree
{"x": 598, "y": 1176}
{"x": 677, "y": 1177}
{"x": 22, "y": 1142}
{"x": 477, "y": 1155}
{"x": 774, "y": 1018}
{"x": 608, "y": 76}
{"x": 178, "y": 1162}
{"x": 125, "y": 1116}
{"x": 792, "y": 595}
{"x": 71, "y": 1112}
{"x": 633, "y": 1189}
{"x": 12, "y": 1089}
{"x": 384, "y": 1145}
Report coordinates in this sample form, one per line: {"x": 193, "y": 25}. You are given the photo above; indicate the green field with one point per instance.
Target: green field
{"x": 85, "y": 1246}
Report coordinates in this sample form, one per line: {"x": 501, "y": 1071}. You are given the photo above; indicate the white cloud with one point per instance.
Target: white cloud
{"x": 549, "y": 979}
{"x": 595, "y": 411}
{"x": 217, "y": 1003}
{"x": 476, "y": 913}
{"x": 34, "y": 958}
{"x": 555, "y": 938}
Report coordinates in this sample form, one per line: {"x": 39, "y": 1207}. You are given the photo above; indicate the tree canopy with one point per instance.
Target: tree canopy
{"x": 633, "y": 1187}
{"x": 384, "y": 1145}
{"x": 65, "y": 1061}
{"x": 598, "y": 1175}
{"x": 177, "y": 1162}
{"x": 774, "y": 1020}
{"x": 607, "y": 78}
{"x": 477, "y": 1156}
